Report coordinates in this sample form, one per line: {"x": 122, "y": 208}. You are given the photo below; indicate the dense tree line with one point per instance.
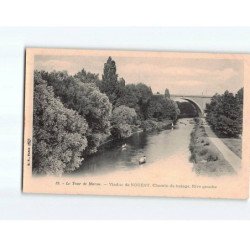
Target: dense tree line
{"x": 74, "y": 115}
{"x": 87, "y": 100}
{"x": 59, "y": 134}
{"x": 225, "y": 113}
{"x": 136, "y": 96}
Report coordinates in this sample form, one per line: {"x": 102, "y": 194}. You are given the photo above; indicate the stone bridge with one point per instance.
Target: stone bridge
{"x": 199, "y": 101}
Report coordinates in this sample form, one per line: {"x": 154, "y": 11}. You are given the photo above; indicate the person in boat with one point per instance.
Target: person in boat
{"x": 142, "y": 160}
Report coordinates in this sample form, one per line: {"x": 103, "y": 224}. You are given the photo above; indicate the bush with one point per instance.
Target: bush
{"x": 153, "y": 125}
{"x": 198, "y": 141}
{"x": 212, "y": 156}
{"x": 122, "y": 121}
{"x": 203, "y": 151}
{"x": 149, "y": 125}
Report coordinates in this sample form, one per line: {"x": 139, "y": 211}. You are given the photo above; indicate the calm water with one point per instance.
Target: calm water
{"x": 155, "y": 146}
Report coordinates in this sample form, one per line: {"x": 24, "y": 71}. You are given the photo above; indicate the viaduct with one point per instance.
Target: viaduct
{"x": 199, "y": 101}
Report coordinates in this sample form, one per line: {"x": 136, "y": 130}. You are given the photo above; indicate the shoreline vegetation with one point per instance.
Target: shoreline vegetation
{"x": 75, "y": 114}
{"x": 153, "y": 125}
{"x": 207, "y": 159}
{"x": 148, "y": 126}
{"x": 224, "y": 114}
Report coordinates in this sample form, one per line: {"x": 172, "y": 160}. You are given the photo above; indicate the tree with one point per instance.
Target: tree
{"x": 136, "y": 96}
{"x": 161, "y": 108}
{"x": 157, "y": 107}
{"x": 173, "y": 110}
{"x": 110, "y": 85}
{"x": 87, "y": 77}
{"x": 239, "y": 99}
{"x": 128, "y": 97}
{"x": 122, "y": 121}
{"x": 59, "y": 134}
{"x": 167, "y": 94}
{"x": 88, "y": 101}
{"x": 224, "y": 113}
{"x": 239, "y": 96}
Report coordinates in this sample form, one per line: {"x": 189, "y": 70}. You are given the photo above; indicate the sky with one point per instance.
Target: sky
{"x": 182, "y": 76}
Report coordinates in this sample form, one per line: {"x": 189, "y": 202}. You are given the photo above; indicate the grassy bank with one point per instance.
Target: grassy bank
{"x": 234, "y": 144}
{"x": 206, "y": 157}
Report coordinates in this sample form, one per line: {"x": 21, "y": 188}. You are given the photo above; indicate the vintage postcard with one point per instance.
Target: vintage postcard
{"x": 136, "y": 123}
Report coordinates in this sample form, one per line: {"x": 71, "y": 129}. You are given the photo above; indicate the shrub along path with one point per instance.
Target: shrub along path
{"x": 229, "y": 155}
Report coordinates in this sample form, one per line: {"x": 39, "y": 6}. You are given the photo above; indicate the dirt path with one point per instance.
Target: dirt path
{"x": 229, "y": 155}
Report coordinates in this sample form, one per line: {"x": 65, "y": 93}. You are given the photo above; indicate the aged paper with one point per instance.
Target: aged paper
{"x": 136, "y": 123}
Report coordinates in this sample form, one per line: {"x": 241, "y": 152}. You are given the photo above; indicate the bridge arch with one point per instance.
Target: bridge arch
{"x": 198, "y": 101}
{"x": 199, "y": 109}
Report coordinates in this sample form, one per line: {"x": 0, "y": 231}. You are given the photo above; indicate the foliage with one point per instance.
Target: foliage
{"x": 150, "y": 125}
{"x": 87, "y": 77}
{"x": 136, "y": 96}
{"x": 162, "y": 108}
{"x": 167, "y": 93}
{"x": 110, "y": 85}
{"x": 123, "y": 119}
{"x": 88, "y": 101}
{"x": 59, "y": 134}
{"x": 239, "y": 100}
{"x": 129, "y": 97}
{"x": 173, "y": 110}
{"x": 200, "y": 146}
{"x": 225, "y": 113}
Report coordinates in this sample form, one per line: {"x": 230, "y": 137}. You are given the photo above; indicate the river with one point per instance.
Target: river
{"x": 168, "y": 146}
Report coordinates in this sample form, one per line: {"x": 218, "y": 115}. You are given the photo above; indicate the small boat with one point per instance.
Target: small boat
{"x": 124, "y": 146}
{"x": 142, "y": 160}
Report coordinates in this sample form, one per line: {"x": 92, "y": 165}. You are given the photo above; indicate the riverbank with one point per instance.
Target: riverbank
{"x": 207, "y": 159}
{"x": 151, "y": 125}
